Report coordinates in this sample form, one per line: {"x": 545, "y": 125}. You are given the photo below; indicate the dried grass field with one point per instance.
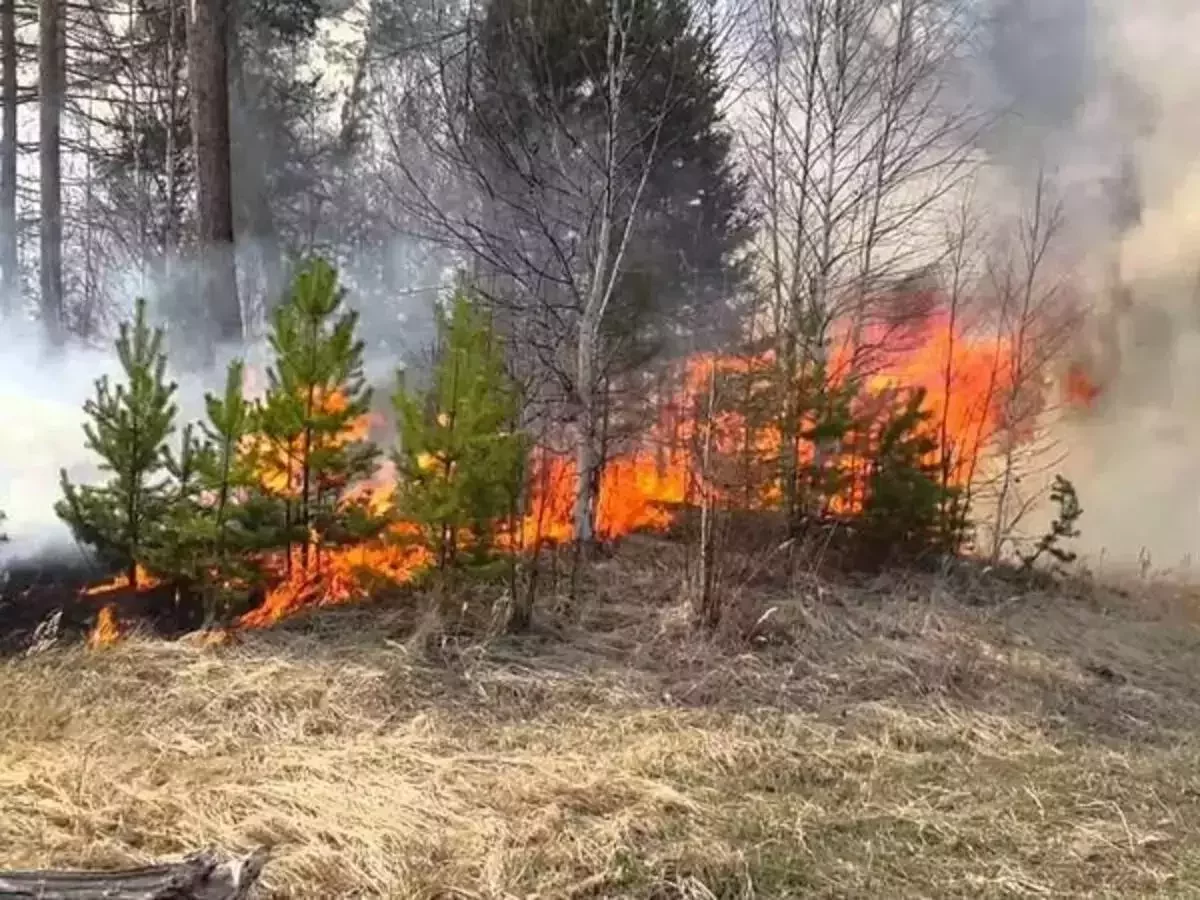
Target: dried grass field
{"x": 913, "y": 737}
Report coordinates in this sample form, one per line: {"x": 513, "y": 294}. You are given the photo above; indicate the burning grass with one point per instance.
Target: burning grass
{"x": 911, "y": 737}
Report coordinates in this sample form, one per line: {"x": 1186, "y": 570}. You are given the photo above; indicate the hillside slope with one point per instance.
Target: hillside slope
{"x": 911, "y": 738}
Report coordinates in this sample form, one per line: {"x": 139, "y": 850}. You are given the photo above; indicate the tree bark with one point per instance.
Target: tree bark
{"x": 201, "y": 876}
{"x": 208, "y": 64}
{"x": 50, "y": 79}
{"x": 10, "y": 280}
{"x": 585, "y": 447}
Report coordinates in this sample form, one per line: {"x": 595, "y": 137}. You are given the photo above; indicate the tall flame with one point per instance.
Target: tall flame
{"x": 964, "y": 378}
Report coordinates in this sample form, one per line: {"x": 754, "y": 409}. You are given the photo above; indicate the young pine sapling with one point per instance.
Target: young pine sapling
{"x": 459, "y": 462}
{"x": 130, "y": 424}
{"x": 1063, "y": 528}
{"x": 314, "y": 452}
{"x": 221, "y": 518}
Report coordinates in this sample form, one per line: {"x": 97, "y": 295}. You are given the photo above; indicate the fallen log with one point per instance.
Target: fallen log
{"x": 200, "y": 876}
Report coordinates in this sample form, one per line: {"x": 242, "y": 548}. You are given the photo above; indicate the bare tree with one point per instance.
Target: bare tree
{"x": 1030, "y": 288}
{"x": 962, "y": 432}
{"x": 850, "y": 141}
{"x": 545, "y": 197}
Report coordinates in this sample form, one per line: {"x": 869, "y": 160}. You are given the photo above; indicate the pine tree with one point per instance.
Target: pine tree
{"x": 130, "y": 426}
{"x": 1062, "y": 528}
{"x": 459, "y": 462}
{"x": 316, "y": 400}
{"x": 220, "y": 520}
{"x": 902, "y": 511}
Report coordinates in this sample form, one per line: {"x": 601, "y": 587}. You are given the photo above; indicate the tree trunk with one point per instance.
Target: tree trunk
{"x": 254, "y": 218}
{"x": 10, "y": 279}
{"x": 208, "y": 64}
{"x": 708, "y": 608}
{"x": 198, "y": 877}
{"x": 50, "y": 73}
{"x": 585, "y": 447}
{"x": 172, "y": 225}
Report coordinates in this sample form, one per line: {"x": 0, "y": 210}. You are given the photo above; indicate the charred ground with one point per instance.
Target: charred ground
{"x": 912, "y": 735}
{"x": 45, "y": 599}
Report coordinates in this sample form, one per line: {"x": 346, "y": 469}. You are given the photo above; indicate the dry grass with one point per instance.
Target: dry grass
{"x": 911, "y": 739}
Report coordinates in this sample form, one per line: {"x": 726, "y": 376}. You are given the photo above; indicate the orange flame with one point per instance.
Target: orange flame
{"x": 964, "y": 377}
{"x": 1079, "y": 388}
{"x": 121, "y": 582}
{"x": 106, "y": 631}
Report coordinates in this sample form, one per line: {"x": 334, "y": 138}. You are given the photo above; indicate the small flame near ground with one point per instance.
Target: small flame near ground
{"x": 963, "y": 376}
{"x": 106, "y": 631}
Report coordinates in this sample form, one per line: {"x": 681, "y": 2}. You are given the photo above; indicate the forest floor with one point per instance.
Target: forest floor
{"x": 908, "y": 737}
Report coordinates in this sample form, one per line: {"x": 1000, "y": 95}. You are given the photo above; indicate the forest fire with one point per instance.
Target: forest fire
{"x": 639, "y": 489}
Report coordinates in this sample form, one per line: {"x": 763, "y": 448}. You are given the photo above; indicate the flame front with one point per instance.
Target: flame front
{"x": 640, "y": 489}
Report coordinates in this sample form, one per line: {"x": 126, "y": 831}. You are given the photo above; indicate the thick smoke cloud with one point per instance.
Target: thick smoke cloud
{"x": 1104, "y": 94}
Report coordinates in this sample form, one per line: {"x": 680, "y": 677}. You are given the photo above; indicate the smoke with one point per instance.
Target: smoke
{"x": 43, "y": 391}
{"x": 1104, "y": 93}
{"x": 43, "y": 397}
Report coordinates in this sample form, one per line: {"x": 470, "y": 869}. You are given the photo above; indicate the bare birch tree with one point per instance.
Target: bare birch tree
{"x": 850, "y": 141}
{"x": 541, "y": 181}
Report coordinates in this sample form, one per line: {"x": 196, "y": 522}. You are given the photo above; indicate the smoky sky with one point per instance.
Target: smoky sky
{"x": 1056, "y": 100}
{"x": 1040, "y": 58}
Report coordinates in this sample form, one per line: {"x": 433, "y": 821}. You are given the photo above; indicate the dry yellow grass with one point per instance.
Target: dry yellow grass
{"x": 924, "y": 738}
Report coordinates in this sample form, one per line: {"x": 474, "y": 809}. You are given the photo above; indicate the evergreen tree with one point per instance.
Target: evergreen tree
{"x": 1062, "y": 528}
{"x": 220, "y": 519}
{"x": 316, "y": 400}
{"x": 901, "y": 517}
{"x": 459, "y": 462}
{"x": 130, "y": 426}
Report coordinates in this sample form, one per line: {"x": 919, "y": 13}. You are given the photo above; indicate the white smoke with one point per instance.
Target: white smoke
{"x": 44, "y": 392}
{"x": 1104, "y": 94}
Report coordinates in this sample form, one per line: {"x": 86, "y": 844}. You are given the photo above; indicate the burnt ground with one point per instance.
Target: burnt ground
{"x": 33, "y": 591}
{"x": 36, "y": 591}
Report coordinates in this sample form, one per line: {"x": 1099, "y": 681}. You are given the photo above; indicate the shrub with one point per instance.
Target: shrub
{"x": 1062, "y": 528}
